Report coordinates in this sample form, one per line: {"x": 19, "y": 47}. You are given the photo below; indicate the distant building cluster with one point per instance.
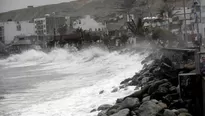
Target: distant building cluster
{"x": 45, "y": 26}
{"x": 115, "y": 24}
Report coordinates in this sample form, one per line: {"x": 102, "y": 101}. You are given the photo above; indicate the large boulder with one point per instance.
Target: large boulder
{"x": 130, "y": 102}
{"x": 146, "y": 99}
{"x": 182, "y": 110}
{"x": 114, "y": 109}
{"x": 126, "y": 81}
{"x": 93, "y": 110}
{"x": 102, "y": 113}
{"x": 104, "y": 107}
{"x": 115, "y": 89}
{"x": 184, "y": 114}
{"x": 145, "y": 80}
{"x": 139, "y": 94}
{"x": 151, "y": 108}
{"x": 123, "y": 112}
{"x": 162, "y": 90}
{"x": 155, "y": 85}
{"x": 168, "y": 112}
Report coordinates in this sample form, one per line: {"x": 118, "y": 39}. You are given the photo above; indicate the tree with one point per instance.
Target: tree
{"x": 62, "y": 29}
{"x": 128, "y": 3}
{"x": 140, "y": 27}
{"x": 164, "y": 36}
{"x": 168, "y": 8}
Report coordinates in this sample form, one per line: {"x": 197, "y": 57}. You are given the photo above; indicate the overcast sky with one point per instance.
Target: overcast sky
{"x": 7, "y": 5}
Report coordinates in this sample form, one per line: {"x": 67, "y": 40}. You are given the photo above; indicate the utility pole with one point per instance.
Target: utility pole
{"x": 197, "y": 14}
{"x": 185, "y": 26}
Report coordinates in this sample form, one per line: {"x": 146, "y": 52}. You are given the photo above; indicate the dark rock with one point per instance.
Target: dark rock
{"x": 119, "y": 100}
{"x": 146, "y": 73}
{"x": 93, "y": 110}
{"x": 182, "y": 110}
{"x": 146, "y": 99}
{"x": 155, "y": 86}
{"x": 176, "y": 104}
{"x": 184, "y": 114}
{"x": 158, "y": 95}
{"x": 151, "y": 108}
{"x": 130, "y": 102}
{"x": 162, "y": 90}
{"x": 104, "y": 107}
{"x": 101, "y": 92}
{"x": 160, "y": 113}
{"x": 126, "y": 81}
{"x": 170, "y": 97}
{"x": 102, "y": 113}
{"x": 123, "y": 112}
{"x": 167, "y": 85}
{"x": 125, "y": 88}
{"x": 145, "y": 80}
{"x": 136, "y": 80}
{"x": 114, "y": 90}
{"x": 175, "y": 111}
{"x": 168, "y": 112}
{"x": 122, "y": 86}
{"x": 114, "y": 109}
{"x": 140, "y": 93}
{"x": 173, "y": 89}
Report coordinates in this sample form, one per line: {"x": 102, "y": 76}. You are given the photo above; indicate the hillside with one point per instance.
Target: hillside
{"x": 98, "y": 8}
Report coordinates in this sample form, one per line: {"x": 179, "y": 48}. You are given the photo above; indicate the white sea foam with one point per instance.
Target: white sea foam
{"x": 86, "y": 73}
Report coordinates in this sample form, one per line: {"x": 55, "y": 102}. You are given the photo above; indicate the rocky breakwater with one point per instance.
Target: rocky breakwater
{"x": 158, "y": 96}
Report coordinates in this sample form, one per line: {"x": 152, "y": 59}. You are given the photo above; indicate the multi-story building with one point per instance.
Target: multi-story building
{"x": 1, "y": 32}
{"x": 48, "y": 25}
{"x": 10, "y": 29}
{"x": 202, "y": 24}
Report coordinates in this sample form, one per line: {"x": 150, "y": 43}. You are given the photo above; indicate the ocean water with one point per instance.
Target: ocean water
{"x": 64, "y": 82}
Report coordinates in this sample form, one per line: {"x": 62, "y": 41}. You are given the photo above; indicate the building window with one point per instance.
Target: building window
{"x": 1, "y": 39}
{"x": 21, "y": 38}
{"x": 204, "y": 31}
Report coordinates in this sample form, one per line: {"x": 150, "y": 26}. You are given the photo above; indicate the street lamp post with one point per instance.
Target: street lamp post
{"x": 185, "y": 26}
{"x": 197, "y": 13}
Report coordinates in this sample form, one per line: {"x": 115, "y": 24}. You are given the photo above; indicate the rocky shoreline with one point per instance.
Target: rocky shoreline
{"x": 159, "y": 94}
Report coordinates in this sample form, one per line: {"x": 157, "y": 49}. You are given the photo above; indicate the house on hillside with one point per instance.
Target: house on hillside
{"x": 88, "y": 23}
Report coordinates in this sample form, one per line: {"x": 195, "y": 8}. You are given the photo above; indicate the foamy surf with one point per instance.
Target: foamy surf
{"x": 79, "y": 77}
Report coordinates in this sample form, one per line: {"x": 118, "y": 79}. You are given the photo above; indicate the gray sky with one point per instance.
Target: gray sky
{"x": 7, "y": 5}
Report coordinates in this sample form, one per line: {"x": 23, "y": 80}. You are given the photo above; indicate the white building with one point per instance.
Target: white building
{"x": 10, "y": 29}
{"x": 88, "y": 23}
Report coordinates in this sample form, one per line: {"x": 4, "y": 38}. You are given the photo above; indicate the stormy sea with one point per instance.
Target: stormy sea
{"x": 64, "y": 82}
